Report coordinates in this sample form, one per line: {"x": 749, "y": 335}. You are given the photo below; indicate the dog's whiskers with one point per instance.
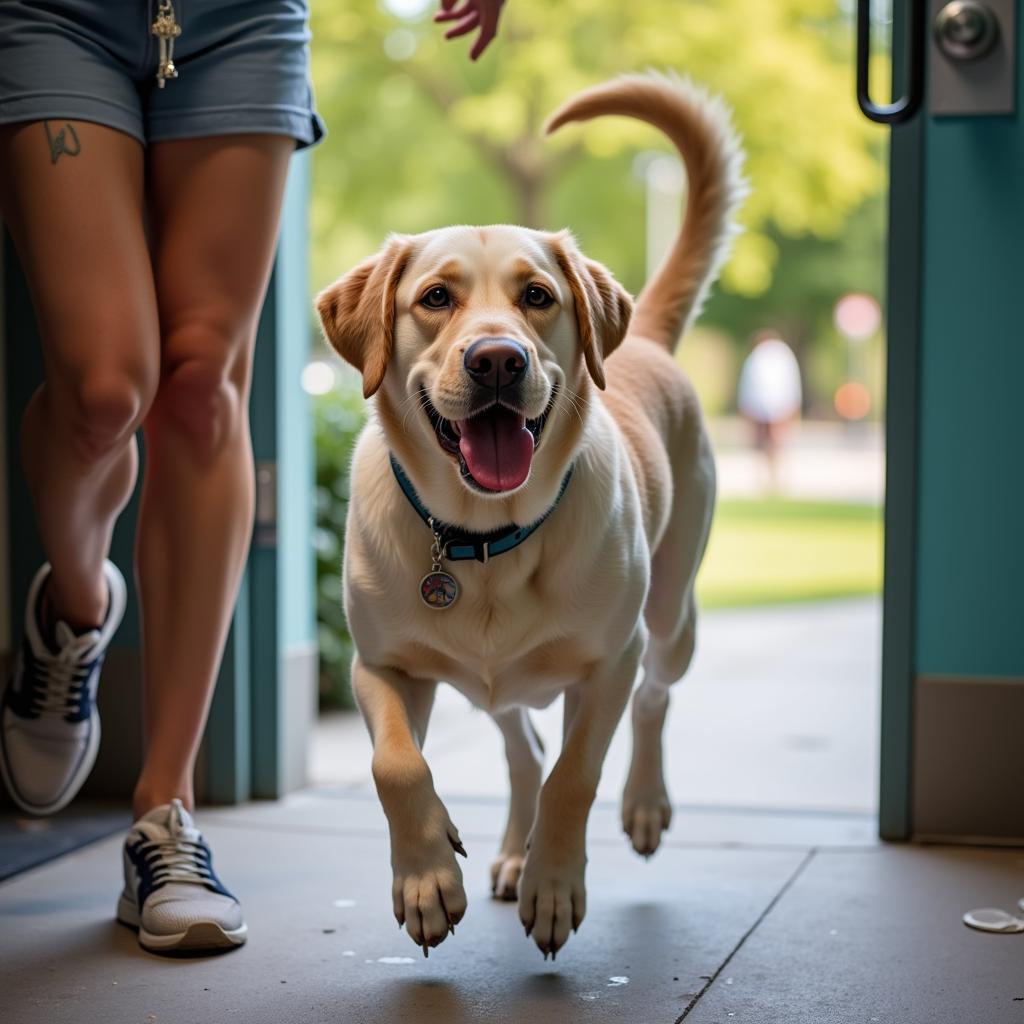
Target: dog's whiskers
{"x": 410, "y": 404}
{"x": 416, "y": 398}
{"x": 575, "y": 403}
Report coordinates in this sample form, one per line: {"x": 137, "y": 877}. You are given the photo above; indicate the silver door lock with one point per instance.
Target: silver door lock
{"x": 966, "y": 30}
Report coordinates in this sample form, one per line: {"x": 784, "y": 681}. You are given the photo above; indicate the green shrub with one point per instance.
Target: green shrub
{"x": 338, "y": 417}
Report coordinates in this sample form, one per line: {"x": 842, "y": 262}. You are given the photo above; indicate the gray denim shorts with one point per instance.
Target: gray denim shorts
{"x": 243, "y": 66}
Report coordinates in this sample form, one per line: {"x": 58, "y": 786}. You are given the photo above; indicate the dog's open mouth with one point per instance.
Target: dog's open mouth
{"x": 494, "y": 447}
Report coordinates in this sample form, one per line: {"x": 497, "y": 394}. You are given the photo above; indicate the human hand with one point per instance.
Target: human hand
{"x": 469, "y": 15}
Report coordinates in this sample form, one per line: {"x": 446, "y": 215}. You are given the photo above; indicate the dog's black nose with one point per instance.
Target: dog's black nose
{"x": 495, "y": 363}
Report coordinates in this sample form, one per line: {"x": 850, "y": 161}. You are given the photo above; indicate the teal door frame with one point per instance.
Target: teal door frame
{"x": 265, "y": 701}
{"x": 903, "y": 314}
{"x": 953, "y": 640}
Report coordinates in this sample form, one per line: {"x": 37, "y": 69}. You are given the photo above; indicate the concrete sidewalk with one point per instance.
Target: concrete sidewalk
{"x": 770, "y": 902}
{"x": 779, "y": 711}
{"x": 817, "y": 461}
{"x": 760, "y": 918}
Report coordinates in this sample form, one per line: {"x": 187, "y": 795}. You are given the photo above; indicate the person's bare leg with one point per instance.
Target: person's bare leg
{"x": 77, "y": 225}
{"x": 215, "y": 205}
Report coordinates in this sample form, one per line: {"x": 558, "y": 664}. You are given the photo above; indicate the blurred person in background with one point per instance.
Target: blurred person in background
{"x": 770, "y": 396}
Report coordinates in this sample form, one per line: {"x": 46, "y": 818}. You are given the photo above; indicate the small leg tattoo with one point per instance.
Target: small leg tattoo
{"x": 59, "y": 144}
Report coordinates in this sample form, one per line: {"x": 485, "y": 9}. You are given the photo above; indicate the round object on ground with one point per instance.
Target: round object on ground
{"x": 992, "y": 919}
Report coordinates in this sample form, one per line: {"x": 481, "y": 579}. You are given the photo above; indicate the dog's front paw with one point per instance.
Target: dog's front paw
{"x": 505, "y": 871}
{"x": 552, "y": 899}
{"x": 646, "y": 814}
{"x": 427, "y": 891}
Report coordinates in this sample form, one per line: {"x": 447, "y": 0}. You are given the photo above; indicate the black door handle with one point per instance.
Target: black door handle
{"x": 910, "y": 102}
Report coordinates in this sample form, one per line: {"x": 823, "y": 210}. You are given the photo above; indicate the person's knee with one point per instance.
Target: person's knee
{"x": 202, "y": 392}
{"x": 103, "y": 407}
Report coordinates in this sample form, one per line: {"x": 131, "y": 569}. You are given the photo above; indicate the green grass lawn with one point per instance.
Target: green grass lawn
{"x": 774, "y": 550}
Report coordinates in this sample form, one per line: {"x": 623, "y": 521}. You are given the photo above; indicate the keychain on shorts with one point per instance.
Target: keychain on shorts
{"x": 438, "y": 588}
{"x": 166, "y": 29}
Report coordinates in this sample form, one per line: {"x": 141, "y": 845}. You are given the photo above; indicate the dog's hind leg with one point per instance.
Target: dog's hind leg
{"x": 646, "y": 809}
{"x": 525, "y": 754}
{"x": 671, "y": 616}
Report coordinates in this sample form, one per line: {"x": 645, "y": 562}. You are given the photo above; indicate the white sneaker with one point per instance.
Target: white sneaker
{"x": 171, "y": 894}
{"x": 50, "y": 730}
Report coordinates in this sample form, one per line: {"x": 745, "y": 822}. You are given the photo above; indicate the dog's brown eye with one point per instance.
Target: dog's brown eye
{"x": 537, "y": 297}
{"x": 436, "y": 298}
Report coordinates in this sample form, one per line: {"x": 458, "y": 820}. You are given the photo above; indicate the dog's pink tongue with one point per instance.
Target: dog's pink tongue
{"x": 497, "y": 448}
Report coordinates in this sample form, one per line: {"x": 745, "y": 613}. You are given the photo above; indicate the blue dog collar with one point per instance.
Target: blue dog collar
{"x": 460, "y": 545}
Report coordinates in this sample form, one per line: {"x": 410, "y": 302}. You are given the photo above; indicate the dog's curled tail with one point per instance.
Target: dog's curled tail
{"x": 700, "y": 126}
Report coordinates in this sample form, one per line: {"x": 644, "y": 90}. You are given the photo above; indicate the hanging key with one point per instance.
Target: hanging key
{"x": 166, "y": 29}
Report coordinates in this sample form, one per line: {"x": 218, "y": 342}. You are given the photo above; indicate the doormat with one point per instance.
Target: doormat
{"x": 27, "y": 842}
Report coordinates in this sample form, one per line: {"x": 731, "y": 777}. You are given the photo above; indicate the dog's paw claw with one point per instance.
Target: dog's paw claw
{"x": 551, "y": 905}
{"x": 430, "y": 900}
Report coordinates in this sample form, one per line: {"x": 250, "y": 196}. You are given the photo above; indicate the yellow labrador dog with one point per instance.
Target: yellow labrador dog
{"x": 531, "y": 499}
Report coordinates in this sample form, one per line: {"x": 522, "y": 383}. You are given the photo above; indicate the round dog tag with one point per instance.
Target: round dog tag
{"x": 439, "y": 589}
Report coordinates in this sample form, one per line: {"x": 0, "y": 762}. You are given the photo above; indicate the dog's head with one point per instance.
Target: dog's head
{"x": 479, "y": 340}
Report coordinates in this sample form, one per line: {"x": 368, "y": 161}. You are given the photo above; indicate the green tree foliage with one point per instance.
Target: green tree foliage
{"x": 337, "y": 420}
{"x": 420, "y": 137}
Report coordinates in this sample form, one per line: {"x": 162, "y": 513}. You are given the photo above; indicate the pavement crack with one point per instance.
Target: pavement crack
{"x": 786, "y": 886}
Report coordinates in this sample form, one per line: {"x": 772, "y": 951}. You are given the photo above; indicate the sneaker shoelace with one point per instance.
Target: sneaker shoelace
{"x": 177, "y": 859}
{"x": 60, "y": 677}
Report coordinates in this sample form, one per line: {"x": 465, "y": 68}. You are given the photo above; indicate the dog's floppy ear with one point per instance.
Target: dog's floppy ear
{"x": 603, "y": 306}
{"x": 358, "y": 312}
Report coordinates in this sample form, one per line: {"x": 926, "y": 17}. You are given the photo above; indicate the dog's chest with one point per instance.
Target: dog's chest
{"x": 513, "y": 635}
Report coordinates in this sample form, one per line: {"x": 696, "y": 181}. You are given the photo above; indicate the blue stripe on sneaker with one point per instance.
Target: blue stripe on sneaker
{"x": 142, "y": 870}
{"x": 81, "y": 692}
